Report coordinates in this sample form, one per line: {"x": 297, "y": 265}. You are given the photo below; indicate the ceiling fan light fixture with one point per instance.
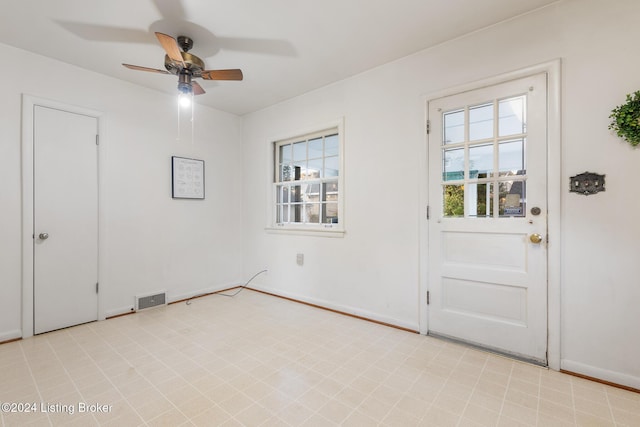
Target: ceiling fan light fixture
{"x": 185, "y": 89}
{"x": 184, "y": 99}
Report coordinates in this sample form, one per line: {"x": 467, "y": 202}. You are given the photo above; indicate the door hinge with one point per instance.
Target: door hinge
{"x": 97, "y": 139}
{"x": 428, "y": 298}
{"x": 428, "y": 126}
{"x": 97, "y": 287}
{"x": 428, "y": 211}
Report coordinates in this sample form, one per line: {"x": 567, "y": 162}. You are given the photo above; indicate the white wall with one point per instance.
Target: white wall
{"x": 149, "y": 241}
{"x": 374, "y": 269}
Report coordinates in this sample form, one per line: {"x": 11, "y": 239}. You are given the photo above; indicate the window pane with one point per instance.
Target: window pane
{"x": 315, "y": 148}
{"x": 285, "y": 153}
{"x": 453, "y": 200}
{"x": 299, "y": 170}
{"x": 453, "y": 127}
{"x": 512, "y": 198}
{"x": 282, "y": 213}
{"x": 511, "y": 158}
{"x": 453, "y": 164}
{"x": 282, "y": 194}
{"x": 330, "y": 213}
{"x": 481, "y": 200}
{"x": 481, "y": 122}
{"x": 314, "y": 169}
{"x": 480, "y": 161}
{"x": 285, "y": 173}
{"x": 330, "y": 192}
{"x": 512, "y": 117}
{"x": 331, "y": 167}
{"x": 312, "y": 213}
{"x": 310, "y": 192}
{"x": 296, "y": 213}
{"x": 300, "y": 151}
{"x": 331, "y": 145}
{"x": 296, "y": 193}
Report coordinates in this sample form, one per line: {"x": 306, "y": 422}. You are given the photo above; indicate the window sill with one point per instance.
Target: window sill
{"x": 316, "y": 232}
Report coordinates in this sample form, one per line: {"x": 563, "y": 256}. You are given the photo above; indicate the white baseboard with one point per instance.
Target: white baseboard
{"x": 340, "y": 307}
{"x": 172, "y": 298}
{"x": 119, "y": 311}
{"x": 601, "y": 374}
{"x": 10, "y": 335}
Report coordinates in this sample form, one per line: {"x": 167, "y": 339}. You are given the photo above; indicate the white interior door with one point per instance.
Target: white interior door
{"x": 487, "y": 276}
{"x": 65, "y": 219}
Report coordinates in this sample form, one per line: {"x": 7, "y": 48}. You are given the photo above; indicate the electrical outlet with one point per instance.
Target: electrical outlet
{"x": 300, "y": 259}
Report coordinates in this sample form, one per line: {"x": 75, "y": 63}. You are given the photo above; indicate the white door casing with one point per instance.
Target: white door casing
{"x": 487, "y": 281}
{"x": 65, "y": 207}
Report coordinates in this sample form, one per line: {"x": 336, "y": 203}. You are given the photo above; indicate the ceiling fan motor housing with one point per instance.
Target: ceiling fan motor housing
{"x": 186, "y": 43}
{"x": 191, "y": 62}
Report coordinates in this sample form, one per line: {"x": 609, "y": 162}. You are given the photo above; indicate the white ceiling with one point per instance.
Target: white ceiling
{"x": 284, "y": 47}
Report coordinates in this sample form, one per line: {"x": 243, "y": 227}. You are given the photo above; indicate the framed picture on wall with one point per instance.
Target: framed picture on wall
{"x": 187, "y": 178}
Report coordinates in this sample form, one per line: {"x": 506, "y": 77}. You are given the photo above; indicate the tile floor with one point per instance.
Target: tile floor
{"x": 257, "y": 360}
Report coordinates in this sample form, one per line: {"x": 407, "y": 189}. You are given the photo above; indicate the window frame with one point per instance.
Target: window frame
{"x": 318, "y": 229}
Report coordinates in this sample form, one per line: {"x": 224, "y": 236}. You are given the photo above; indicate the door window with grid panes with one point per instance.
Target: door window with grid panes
{"x": 483, "y": 159}
{"x": 307, "y": 181}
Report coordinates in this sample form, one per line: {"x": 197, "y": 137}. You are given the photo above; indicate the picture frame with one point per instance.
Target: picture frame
{"x": 187, "y": 178}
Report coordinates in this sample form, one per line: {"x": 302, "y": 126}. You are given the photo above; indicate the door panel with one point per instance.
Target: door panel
{"x": 65, "y": 219}
{"x": 487, "y": 163}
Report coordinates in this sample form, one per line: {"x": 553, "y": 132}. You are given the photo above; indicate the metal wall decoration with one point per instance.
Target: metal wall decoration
{"x": 587, "y": 183}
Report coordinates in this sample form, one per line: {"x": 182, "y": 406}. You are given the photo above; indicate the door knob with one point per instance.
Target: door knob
{"x": 43, "y": 236}
{"x": 535, "y": 238}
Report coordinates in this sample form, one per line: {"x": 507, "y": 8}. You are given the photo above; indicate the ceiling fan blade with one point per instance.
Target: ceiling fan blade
{"x": 197, "y": 89}
{"x": 234, "y": 74}
{"x": 152, "y": 70}
{"x": 170, "y": 45}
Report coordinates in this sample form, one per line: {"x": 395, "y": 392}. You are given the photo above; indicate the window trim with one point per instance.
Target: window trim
{"x": 320, "y": 229}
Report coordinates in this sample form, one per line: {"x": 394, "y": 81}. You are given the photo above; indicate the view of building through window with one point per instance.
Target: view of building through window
{"x": 307, "y": 179}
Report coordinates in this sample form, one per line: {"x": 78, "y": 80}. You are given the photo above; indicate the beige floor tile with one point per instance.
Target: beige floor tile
{"x": 22, "y": 419}
{"x": 450, "y": 403}
{"x": 235, "y": 403}
{"x": 358, "y": 419}
{"x": 481, "y": 415}
{"x": 335, "y": 411}
{"x": 375, "y": 408}
{"x": 524, "y": 416}
{"x": 438, "y": 417}
{"x": 506, "y": 421}
{"x": 295, "y": 414}
{"x": 171, "y": 418}
{"x": 522, "y": 399}
{"x": 314, "y": 399}
{"x": 211, "y": 417}
{"x": 555, "y": 410}
{"x": 412, "y": 406}
{"x": 626, "y": 418}
{"x": 254, "y": 415}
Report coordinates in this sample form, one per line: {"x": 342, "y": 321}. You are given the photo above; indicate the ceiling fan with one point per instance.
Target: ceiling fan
{"x": 178, "y": 61}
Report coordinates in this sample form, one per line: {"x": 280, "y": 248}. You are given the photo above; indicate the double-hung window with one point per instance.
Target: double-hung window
{"x": 307, "y": 182}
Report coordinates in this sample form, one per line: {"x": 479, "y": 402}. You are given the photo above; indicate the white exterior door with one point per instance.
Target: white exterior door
{"x": 487, "y": 277}
{"x": 65, "y": 231}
